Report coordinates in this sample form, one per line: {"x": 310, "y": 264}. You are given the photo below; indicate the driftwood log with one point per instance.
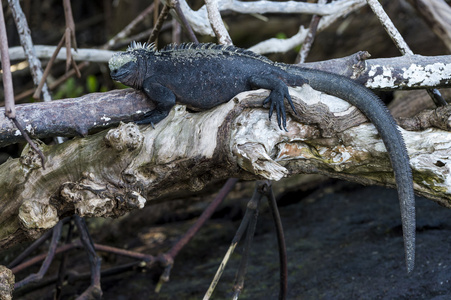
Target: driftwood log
{"x": 117, "y": 170}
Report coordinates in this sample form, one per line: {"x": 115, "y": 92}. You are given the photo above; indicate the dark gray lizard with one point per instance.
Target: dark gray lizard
{"x": 202, "y": 76}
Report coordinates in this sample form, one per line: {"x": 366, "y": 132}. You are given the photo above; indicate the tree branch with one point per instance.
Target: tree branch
{"x": 114, "y": 171}
{"x": 404, "y": 72}
{"x": 27, "y": 44}
{"x": 92, "y": 112}
{"x": 93, "y": 55}
{"x": 75, "y": 116}
{"x": 200, "y": 22}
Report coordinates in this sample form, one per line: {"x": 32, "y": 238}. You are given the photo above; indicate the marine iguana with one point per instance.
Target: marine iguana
{"x": 202, "y": 76}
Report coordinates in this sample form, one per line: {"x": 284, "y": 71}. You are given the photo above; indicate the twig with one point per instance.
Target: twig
{"x": 70, "y": 60}
{"x": 225, "y": 190}
{"x": 288, "y": 7}
{"x": 236, "y": 239}
{"x": 88, "y": 55}
{"x": 308, "y": 41}
{"x": 30, "y": 249}
{"x": 201, "y": 24}
{"x": 159, "y": 23}
{"x": 94, "y": 291}
{"x": 216, "y": 22}
{"x": 69, "y": 40}
{"x": 389, "y": 27}
{"x": 156, "y": 3}
{"x": 126, "y": 31}
{"x": 27, "y": 44}
{"x": 176, "y": 31}
{"x": 37, "y": 92}
{"x": 274, "y": 45}
{"x": 62, "y": 268}
{"x": 176, "y": 5}
{"x": 172, "y": 253}
{"x": 48, "y": 259}
{"x": 55, "y": 83}
{"x": 70, "y": 24}
{"x": 10, "y": 109}
{"x": 92, "y": 55}
{"x": 400, "y": 43}
{"x": 280, "y": 241}
{"x": 149, "y": 259}
{"x": 41, "y": 257}
{"x": 253, "y": 206}
{"x": 30, "y": 142}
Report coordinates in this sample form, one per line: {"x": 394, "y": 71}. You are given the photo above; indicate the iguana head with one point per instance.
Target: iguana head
{"x": 129, "y": 67}
{"x": 124, "y": 68}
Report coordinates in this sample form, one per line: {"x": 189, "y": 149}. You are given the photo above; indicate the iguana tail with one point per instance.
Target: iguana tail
{"x": 378, "y": 114}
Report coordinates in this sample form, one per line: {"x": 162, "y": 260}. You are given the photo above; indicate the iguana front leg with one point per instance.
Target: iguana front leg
{"x": 164, "y": 99}
{"x": 279, "y": 91}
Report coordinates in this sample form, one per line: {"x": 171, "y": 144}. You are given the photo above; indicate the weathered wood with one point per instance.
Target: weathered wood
{"x": 74, "y": 116}
{"x": 118, "y": 170}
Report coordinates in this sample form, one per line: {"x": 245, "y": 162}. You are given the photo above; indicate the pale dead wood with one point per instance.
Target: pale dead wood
{"x": 200, "y": 22}
{"x": 216, "y": 22}
{"x": 274, "y": 45}
{"x": 114, "y": 171}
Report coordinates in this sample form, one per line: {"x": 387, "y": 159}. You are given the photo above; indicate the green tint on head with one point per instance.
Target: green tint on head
{"x": 120, "y": 59}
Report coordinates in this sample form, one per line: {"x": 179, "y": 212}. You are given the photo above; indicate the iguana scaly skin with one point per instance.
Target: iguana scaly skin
{"x": 202, "y": 76}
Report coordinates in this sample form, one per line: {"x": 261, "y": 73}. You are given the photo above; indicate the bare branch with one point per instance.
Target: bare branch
{"x": 46, "y": 52}
{"x": 199, "y": 19}
{"x": 400, "y": 43}
{"x": 128, "y": 29}
{"x": 405, "y": 72}
{"x": 214, "y": 16}
{"x": 37, "y": 92}
{"x": 75, "y": 116}
{"x": 389, "y": 27}
{"x": 70, "y": 25}
{"x": 158, "y": 24}
{"x": 288, "y": 7}
{"x": 275, "y": 45}
{"x": 69, "y": 39}
{"x": 10, "y": 110}
{"x": 27, "y": 44}
{"x": 307, "y": 44}
{"x": 182, "y": 18}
